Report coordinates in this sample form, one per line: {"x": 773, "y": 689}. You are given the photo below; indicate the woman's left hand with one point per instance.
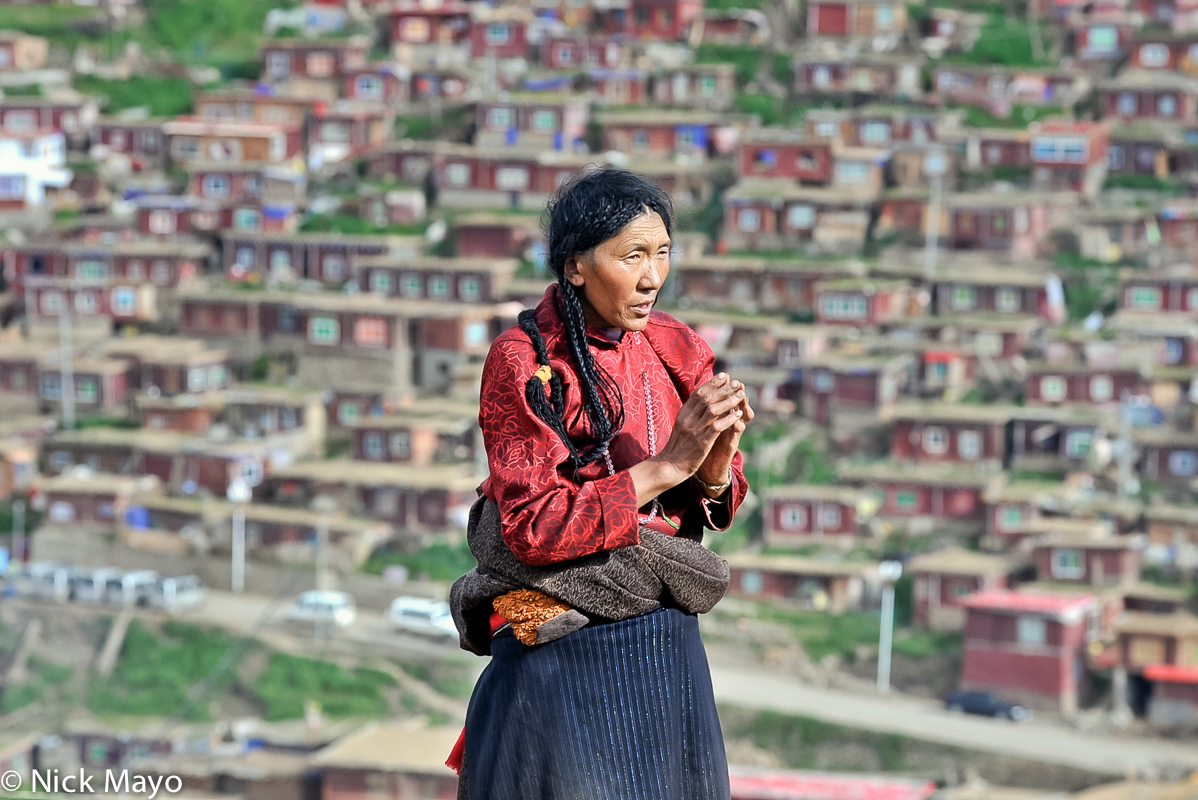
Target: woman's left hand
{"x": 719, "y": 459}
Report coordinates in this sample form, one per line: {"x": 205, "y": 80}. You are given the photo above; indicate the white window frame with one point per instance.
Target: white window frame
{"x": 1059, "y": 391}
{"x": 969, "y": 445}
{"x": 324, "y": 330}
{"x": 792, "y": 518}
{"x": 1031, "y": 630}
{"x": 1102, "y": 388}
{"x": 935, "y": 440}
{"x": 1071, "y": 571}
{"x": 1183, "y": 463}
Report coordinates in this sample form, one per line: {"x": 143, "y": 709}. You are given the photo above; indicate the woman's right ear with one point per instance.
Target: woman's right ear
{"x": 572, "y": 271}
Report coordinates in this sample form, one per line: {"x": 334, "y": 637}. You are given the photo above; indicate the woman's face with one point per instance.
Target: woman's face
{"x": 620, "y": 278}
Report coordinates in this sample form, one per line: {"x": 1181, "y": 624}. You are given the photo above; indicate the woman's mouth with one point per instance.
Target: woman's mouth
{"x": 644, "y": 308}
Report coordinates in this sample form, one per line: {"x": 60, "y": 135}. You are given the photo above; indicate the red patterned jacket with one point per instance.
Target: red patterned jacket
{"x": 549, "y": 513}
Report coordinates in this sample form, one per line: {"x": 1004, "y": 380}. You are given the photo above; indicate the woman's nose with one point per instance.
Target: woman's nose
{"x": 654, "y": 273}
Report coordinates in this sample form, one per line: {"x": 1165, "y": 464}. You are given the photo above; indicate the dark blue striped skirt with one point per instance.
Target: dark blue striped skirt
{"x": 619, "y": 711}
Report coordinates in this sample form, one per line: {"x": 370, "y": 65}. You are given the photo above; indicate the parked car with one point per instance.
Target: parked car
{"x": 45, "y": 579}
{"x": 179, "y": 593}
{"x": 985, "y": 704}
{"x": 417, "y": 615}
{"x": 91, "y": 585}
{"x": 131, "y": 588}
{"x": 316, "y": 607}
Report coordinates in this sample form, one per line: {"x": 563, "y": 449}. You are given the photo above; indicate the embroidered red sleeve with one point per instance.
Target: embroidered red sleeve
{"x": 547, "y": 517}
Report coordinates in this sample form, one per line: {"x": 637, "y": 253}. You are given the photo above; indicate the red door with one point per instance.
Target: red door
{"x": 832, "y": 20}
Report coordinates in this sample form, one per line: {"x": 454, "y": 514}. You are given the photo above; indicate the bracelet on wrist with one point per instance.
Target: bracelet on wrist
{"x": 716, "y": 488}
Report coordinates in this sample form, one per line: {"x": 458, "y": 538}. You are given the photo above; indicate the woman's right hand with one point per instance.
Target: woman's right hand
{"x": 711, "y": 409}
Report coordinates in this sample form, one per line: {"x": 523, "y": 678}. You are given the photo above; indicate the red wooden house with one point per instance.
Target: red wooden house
{"x": 1156, "y": 49}
{"x": 499, "y": 32}
{"x": 261, "y": 103}
{"x": 1002, "y": 291}
{"x": 1167, "y": 456}
{"x": 193, "y": 139}
{"x": 1149, "y": 95}
{"x": 1158, "y": 652}
{"x": 1016, "y": 222}
{"x": 949, "y": 432}
{"x": 1082, "y": 384}
{"x": 461, "y": 279}
{"x": 778, "y": 214}
{"x": 1070, "y": 156}
{"x": 839, "y": 18}
{"x": 347, "y": 128}
{"x": 838, "y": 383}
{"x": 1089, "y": 561}
{"x": 797, "y": 514}
{"x": 1103, "y": 37}
{"x": 1173, "y": 290}
{"x": 91, "y": 499}
{"x": 755, "y": 284}
{"x": 860, "y": 301}
{"x": 999, "y": 88}
{"x": 378, "y": 82}
{"x": 872, "y": 75}
{"x": 1028, "y": 647}
{"x": 502, "y": 178}
{"x": 132, "y": 137}
{"x": 932, "y": 494}
{"x": 74, "y": 116}
{"x": 1053, "y": 438}
{"x": 785, "y": 153}
{"x": 620, "y": 87}
{"x": 311, "y": 60}
{"x": 655, "y": 20}
{"x": 698, "y": 86}
{"x": 663, "y": 133}
{"x": 991, "y": 148}
{"x": 413, "y": 24}
{"x": 493, "y": 235}
{"x": 941, "y": 580}
{"x": 417, "y": 436}
{"x": 811, "y": 583}
{"x": 532, "y": 120}
{"x": 572, "y": 52}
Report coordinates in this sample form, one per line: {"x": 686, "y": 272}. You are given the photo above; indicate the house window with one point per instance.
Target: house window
{"x": 401, "y": 445}
{"x": 324, "y": 330}
{"x": 468, "y": 289}
{"x": 707, "y": 85}
{"x": 565, "y": 55}
{"x": 824, "y": 382}
{"x": 852, "y": 172}
{"x": 278, "y": 65}
{"x": 829, "y": 516}
{"x": 86, "y": 303}
{"x": 51, "y": 386}
{"x": 500, "y": 119}
{"x": 1183, "y": 463}
{"x": 1166, "y": 105}
{"x": 438, "y": 287}
{"x": 640, "y": 139}
{"x": 370, "y": 332}
{"x": 875, "y": 133}
{"x": 792, "y": 518}
{"x": 92, "y": 270}
{"x": 52, "y": 302}
{"x": 335, "y": 132}
{"x": 1102, "y": 388}
{"x": 1009, "y": 518}
{"x": 1145, "y": 650}
{"x": 280, "y": 260}
{"x": 1126, "y": 104}
{"x": 246, "y": 219}
{"x": 1052, "y": 388}
{"x": 320, "y": 65}
{"x": 1145, "y": 297}
{"x": 1030, "y": 630}
{"x": 124, "y": 300}
{"x": 288, "y": 319}
{"x": 215, "y": 186}
{"x": 1116, "y": 158}
{"x": 935, "y": 441}
{"x": 752, "y": 582}
{"x": 821, "y": 78}
{"x": 372, "y": 446}
{"x": 475, "y": 333}
{"x": 906, "y": 500}
{"x": 1067, "y": 563}
{"x": 511, "y": 179}
{"x": 457, "y": 174}
{"x": 87, "y": 390}
{"x": 1175, "y": 351}
{"x": 969, "y": 445}
{"x": 801, "y": 217}
{"x": 883, "y": 17}
{"x": 380, "y": 282}
{"x": 1077, "y": 443}
{"x": 162, "y": 221}
{"x": 1007, "y": 299}
{"x": 748, "y": 220}
{"x": 244, "y": 257}
{"x": 62, "y": 511}
{"x": 965, "y": 298}
{"x": 197, "y": 379}
{"x": 18, "y": 380}
{"x": 412, "y": 286}
{"x": 498, "y": 33}
{"x": 369, "y": 87}
{"x": 1154, "y": 55}
{"x": 163, "y": 272}
{"x": 544, "y": 120}
{"x": 348, "y": 413}
{"x": 334, "y": 267}
{"x": 1103, "y": 40}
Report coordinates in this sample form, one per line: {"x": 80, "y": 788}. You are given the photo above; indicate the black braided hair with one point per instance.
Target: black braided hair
{"x": 585, "y": 212}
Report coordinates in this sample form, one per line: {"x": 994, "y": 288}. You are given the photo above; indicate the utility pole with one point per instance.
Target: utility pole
{"x": 325, "y": 506}
{"x": 238, "y": 494}
{"x": 18, "y": 530}
{"x": 935, "y": 163}
{"x": 890, "y": 572}
{"x": 1124, "y": 449}
{"x": 66, "y": 352}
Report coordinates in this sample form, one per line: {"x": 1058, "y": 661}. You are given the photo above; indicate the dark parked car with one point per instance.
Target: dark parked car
{"x": 985, "y": 704}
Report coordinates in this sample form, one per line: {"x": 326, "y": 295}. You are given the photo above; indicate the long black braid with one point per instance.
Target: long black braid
{"x": 585, "y": 212}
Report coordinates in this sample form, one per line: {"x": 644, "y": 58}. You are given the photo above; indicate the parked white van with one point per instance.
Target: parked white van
{"x": 315, "y": 607}
{"x": 179, "y": 593}
{"x": 417, "y": 615}
{"x": 91, "y": 585}
{"x": 131, "y": 588}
